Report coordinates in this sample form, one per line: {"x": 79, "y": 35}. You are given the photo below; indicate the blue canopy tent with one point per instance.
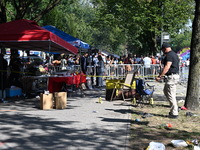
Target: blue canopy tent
{"x": 84, "y": 45}
{"x": 70, "y": 39}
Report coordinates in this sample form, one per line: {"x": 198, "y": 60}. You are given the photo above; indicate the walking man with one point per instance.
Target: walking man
{"x": 171, "y": 74}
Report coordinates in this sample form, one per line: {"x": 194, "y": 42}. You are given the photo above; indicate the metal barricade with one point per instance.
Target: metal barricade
{"x": 120, "y": 70}
{"x": 117, "y": 71}
{"x": 184, "y": 73}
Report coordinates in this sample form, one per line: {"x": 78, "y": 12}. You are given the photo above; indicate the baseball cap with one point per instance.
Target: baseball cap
{"x": 166, "y": 45}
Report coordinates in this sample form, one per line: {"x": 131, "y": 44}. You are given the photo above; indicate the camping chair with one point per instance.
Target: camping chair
{"x": 144, "y": 93}
{"x": 126, "y": 86}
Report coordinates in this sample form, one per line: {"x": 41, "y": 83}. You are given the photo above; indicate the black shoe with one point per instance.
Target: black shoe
{"x": 189, "y": 114}
{"x": 173, "y": 116}
{"x": 145, "y": 115}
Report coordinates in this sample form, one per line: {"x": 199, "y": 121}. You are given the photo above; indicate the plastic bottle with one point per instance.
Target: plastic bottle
{"x": 151, "y": 101}
{"x": 137, "y": 120}
{"x": 166, "y": 125}
{"x": 100, "y": 100}
{"x": 134, "y": 101}
{"x": 117, "y": 92}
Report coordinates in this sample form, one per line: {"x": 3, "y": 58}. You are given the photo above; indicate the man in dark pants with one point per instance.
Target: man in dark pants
{"x": 171, "y": 74}
{"x": 15, "y": 68}
{"x": 84, "y": 63}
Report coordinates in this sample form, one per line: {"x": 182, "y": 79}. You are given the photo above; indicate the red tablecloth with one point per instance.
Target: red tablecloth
{"x": 55, "y": 83}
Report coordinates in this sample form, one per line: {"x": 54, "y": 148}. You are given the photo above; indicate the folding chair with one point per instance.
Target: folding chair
{"x": 144, "y": 93}
{"x": 126, "y": 86}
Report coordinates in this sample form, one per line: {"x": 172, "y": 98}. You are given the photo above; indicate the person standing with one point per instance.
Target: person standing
{"x": 100, "y": 71}
{"x": 128, "y": 61}
{"x": 171, "y": 74}
{"x": 63, "y": 62}
{"x": 84, "y": 63}
{"x": 153, "y": 65}
{"x": 3, "y": 75}
{"x": 15, "y": 68}
{"x": 147, "y": 66}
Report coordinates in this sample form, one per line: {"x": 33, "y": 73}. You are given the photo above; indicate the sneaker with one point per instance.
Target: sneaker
{"x": 145, "y": 115}
{"x": 173, "y": 116}
{"x": 189, "y": 114}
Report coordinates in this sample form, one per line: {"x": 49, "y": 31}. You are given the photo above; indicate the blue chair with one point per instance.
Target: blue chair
{"x": 144, "y": 92}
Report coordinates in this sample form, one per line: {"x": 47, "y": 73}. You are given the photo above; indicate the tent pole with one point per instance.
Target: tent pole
{"x": 48, "y": 64}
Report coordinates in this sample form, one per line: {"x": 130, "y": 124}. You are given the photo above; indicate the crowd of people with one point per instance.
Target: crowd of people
{"x": 91, "y": 64}
{"x": 97, "y": 64}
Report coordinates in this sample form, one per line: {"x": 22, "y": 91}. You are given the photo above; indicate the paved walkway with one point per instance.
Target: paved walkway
{"x": 84, "y": 125}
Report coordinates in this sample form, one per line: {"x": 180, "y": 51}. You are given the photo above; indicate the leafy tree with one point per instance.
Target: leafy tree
{"x": 108, "y": 36}
{"x": 181, "y": 40}
{"x": 78, "y": 19}
{"x": 3, "y": 17}
{"x": 25, "y": 9}
{"x": 146, "y": 19}
{"x": 73, "y": 19}
{"x": 193, "y": 90}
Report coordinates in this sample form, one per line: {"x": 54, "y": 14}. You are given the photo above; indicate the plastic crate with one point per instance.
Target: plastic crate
{"x": 11, "y": 92}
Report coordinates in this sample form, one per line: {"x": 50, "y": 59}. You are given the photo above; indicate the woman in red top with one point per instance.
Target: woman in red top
{"x": 153, "y": 60}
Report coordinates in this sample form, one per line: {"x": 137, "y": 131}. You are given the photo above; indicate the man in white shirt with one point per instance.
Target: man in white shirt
{"x": 147, "y": 65}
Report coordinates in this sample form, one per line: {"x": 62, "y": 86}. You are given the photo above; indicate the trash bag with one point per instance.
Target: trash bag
{"x": 179, "y": 143}
{"x": 156, "y": 146}
{"x": 196, "y": 147}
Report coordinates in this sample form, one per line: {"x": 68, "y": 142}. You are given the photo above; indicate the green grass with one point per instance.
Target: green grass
{"x": 150, "y": 128}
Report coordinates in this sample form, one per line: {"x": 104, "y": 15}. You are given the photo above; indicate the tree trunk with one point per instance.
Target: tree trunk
{"x": 3, "y": 18}
{"x": 193, "y": 90}
{"x": 152, "y": 43}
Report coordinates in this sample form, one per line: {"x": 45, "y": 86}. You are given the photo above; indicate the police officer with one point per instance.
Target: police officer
{"x": 171, "y": 74}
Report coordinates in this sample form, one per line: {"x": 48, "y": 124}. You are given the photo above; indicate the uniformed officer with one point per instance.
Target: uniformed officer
{"x": 171, "y": 74}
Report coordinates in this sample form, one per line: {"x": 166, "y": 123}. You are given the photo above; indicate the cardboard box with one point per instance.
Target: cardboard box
{"x": 10, "y": 92}
{"x": 60, "y": 99}
{"x": 46, "y": 101}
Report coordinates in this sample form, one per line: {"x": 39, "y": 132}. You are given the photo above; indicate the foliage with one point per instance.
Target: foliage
{"x": 29, "y": 9}
{"x": 145, "y": 20}
{"x": 79, "y": 20}
{"x": 73, "y": 19}
{"x": 112, "y": 25}
{"x": 181, "y": 40}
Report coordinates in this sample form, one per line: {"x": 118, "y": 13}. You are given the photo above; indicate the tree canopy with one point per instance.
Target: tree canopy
{"x": 29, "y": 9}
{"x": 144, "y": 20}
{"x": 113, "y": 25}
